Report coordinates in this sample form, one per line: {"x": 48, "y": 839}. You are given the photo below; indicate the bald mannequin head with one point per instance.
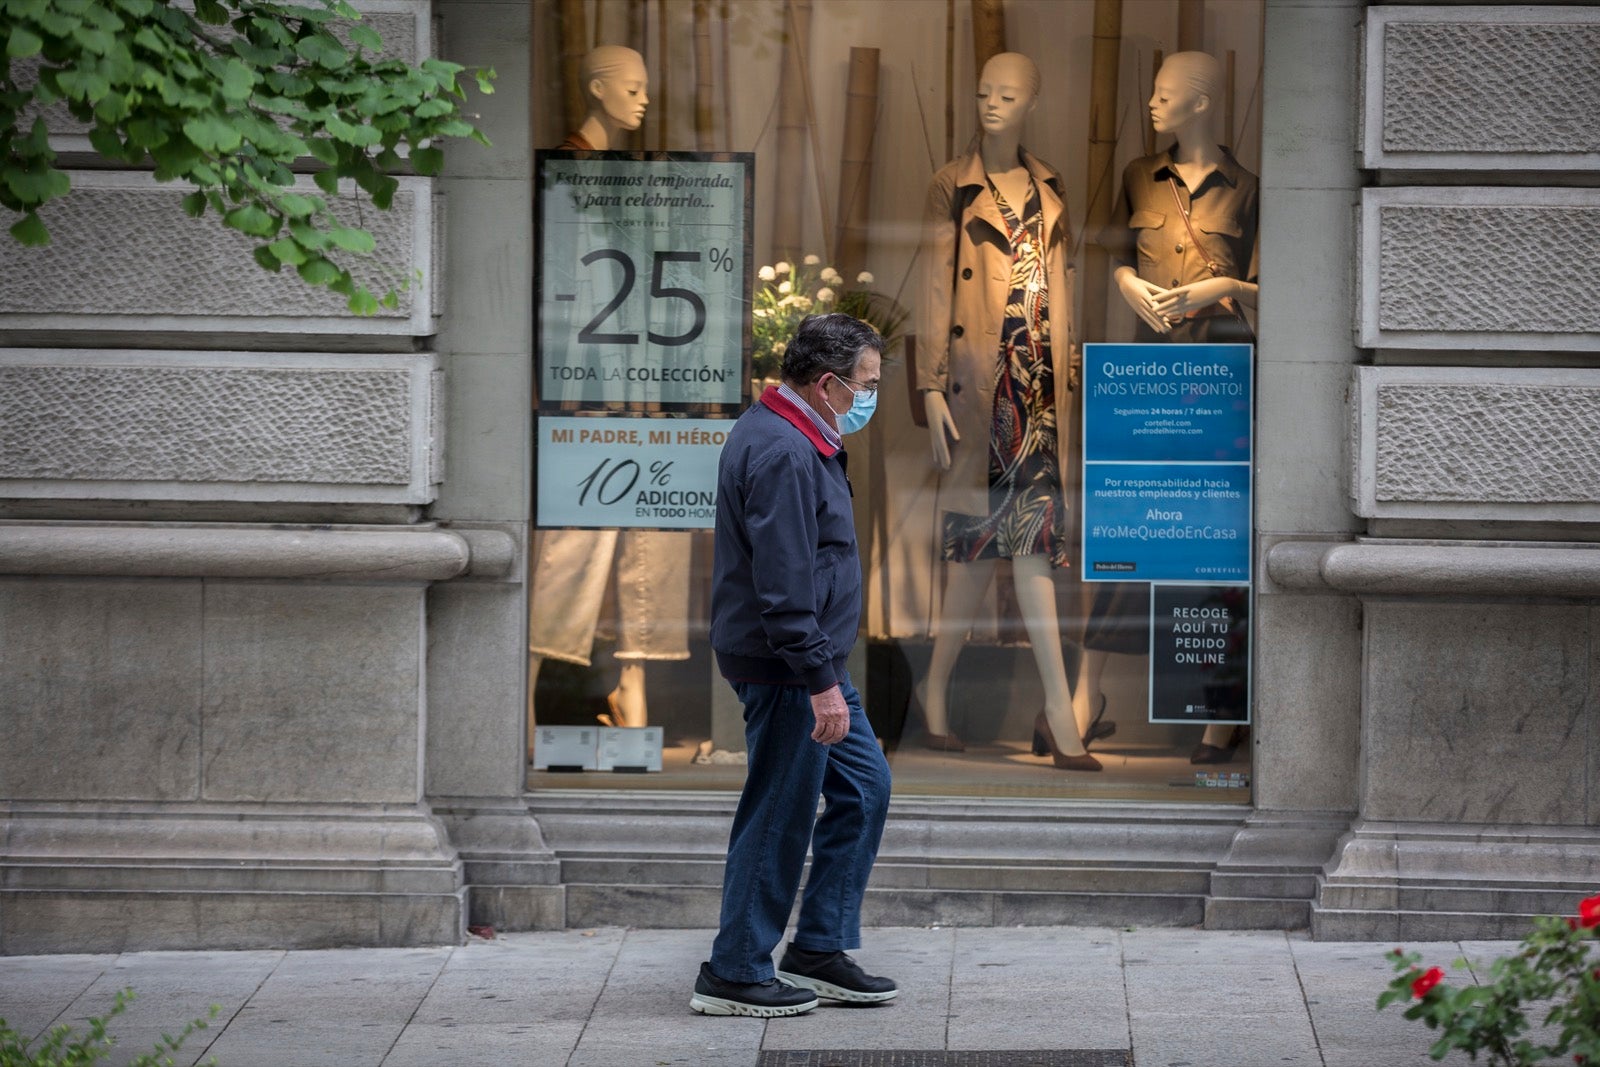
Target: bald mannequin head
{"x": 1008, "y": 89}
{"x": 615, "y": 82}
{"x": 1186, "y": 88}
{"x": 1201, "y": 72}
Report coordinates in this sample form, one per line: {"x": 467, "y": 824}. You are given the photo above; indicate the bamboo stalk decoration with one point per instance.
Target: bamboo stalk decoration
{"x": 949, "y": 79}
{"x": 1228, "y": 140}
{"x": 1191, "y": 25}
{"x": 608, "y": 14}
{"x": 1149, "y": 126}
{"x": 790, "y": 134}
{"x": 1103, "y": 78}
{"x": 988, "y": 31}
{"x": 638, "y": 16}
{"x": 574, "y": 46}
{"x": 804, "y": 37}
{"x": 705, "y": 118}
{"x": 663, "y": 107}
{"x": 725, "y": 18}
{"x": 855, "y": 160}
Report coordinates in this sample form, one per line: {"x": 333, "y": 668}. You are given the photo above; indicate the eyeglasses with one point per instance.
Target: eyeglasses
{"x": 869, "y": 389}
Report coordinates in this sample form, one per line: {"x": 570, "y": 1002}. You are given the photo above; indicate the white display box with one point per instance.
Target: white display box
{"x": 571, "y": 748}
{"x": 630, "y": 748}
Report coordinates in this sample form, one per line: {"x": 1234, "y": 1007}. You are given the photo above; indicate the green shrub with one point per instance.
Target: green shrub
{"x": 1553, "y": 966}
{"x": 63, "y": 1047}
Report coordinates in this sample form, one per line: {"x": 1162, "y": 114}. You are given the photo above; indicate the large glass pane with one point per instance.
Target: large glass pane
{"x": 863, "y": 123}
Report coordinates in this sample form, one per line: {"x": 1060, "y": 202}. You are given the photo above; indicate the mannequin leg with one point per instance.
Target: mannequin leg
{"x": 1087, "y": 697}
{"x": 1036, "y": 596}
{"x": 627, "y": 700}
{"x": 964, "y": 586}
{"x": 534, "y": 662}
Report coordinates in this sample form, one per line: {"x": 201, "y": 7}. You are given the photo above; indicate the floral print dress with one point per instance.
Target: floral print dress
{"x": 1026, "y": 513}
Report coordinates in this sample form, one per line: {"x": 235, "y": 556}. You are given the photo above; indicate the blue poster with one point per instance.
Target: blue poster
{"x": 1167, "y": 522}
{"x": 1167, "y": 448}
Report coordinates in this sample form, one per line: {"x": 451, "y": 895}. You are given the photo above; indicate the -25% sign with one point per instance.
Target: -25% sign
{"x": 597, "y": 332}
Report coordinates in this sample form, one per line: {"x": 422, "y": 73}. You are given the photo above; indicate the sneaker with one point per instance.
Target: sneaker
{"x": 764, "y": 1000}
{"x": 834, "y": 975}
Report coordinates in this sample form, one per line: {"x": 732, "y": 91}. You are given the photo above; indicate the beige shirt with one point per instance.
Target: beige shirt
{"x": 1149, "y": 234}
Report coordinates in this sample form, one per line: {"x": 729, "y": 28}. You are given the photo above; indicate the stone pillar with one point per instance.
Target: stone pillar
{"x": 215, "y": 572}
{"x": 478, "y": 647}
{"x": 1307, "y": 664}
{"x": 1471, "y": 464}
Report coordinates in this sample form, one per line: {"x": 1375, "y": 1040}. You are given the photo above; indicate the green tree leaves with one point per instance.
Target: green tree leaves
{"x": 228, "y": 99}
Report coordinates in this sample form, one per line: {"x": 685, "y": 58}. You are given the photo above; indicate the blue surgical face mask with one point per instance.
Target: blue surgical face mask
{"x": 862, "y": 405}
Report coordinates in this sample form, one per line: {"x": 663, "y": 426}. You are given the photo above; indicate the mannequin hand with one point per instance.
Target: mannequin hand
{"x": 1175, "y": 303}
{"x": 940, "y": 424}
{"x": 832, "y": 716}
{"x": 1142, "y": 297}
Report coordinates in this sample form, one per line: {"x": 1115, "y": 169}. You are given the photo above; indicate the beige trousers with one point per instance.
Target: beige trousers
{"x": 570, "y": 572}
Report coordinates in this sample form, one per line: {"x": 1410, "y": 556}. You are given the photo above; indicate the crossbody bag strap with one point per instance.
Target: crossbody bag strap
{"x": 1183, "y": 212}
{"x": 1228, "y": 303}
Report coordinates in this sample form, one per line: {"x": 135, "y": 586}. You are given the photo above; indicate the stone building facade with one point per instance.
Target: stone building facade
{"x": 263, "y": 591}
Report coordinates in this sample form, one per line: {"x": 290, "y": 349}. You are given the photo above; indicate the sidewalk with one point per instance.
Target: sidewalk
{"x": 620, "y": 998}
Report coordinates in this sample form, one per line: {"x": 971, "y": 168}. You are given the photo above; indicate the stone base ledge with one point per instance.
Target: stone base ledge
{"x": 78, "y": 877}
{"x": 351, "y": 553}
{"x": 1390, "y": 879}
{"x": 655, "y": 858}
{"x": 1436, "y": 568}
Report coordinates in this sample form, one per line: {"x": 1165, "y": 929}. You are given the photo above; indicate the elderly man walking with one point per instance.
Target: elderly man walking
{"x": 785, "y": 608}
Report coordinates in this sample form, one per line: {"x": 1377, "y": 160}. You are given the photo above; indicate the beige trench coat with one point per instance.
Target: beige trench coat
{"x": 966, "y": 282}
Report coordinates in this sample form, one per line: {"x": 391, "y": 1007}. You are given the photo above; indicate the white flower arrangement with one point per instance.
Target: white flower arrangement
{"x": 788, "y": 293}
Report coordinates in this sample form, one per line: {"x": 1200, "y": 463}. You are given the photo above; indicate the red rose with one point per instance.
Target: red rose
{"x": 1572, "y": 924}
{"x": 1589, "y": 912}
{"x": 1426, "y": 981}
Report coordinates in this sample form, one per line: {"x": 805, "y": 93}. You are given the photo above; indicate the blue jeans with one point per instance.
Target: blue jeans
{"x": 776, "y": 819}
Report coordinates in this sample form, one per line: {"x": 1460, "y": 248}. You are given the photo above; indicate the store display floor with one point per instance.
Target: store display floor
{"x": 1132, "y": 771}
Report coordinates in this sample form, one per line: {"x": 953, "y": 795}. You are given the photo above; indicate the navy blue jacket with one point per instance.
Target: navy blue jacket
{"x": 786, "y": 576}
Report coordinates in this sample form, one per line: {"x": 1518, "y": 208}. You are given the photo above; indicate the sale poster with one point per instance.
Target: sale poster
{"x": 621, "y": 471}
{"x": 643, "y": 280}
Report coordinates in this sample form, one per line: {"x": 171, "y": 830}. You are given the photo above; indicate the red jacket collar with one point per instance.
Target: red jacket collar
{"x": 799, "y": 419}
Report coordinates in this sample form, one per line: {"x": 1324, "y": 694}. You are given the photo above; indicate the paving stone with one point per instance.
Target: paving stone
{"x": 477, "y": 1044}
{"x": 552, "y": 978}
{"x": 36, "y": 989}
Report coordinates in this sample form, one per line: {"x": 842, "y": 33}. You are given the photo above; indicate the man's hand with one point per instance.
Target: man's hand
{"x": 832, "y": 716}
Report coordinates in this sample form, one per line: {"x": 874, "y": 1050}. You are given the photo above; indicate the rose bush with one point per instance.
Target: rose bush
{"x": 1489, "y": 1014}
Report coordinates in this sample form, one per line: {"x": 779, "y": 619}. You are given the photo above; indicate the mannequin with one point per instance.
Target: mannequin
{"x": 1174, "y": 291}
{"x": 995, "y": 384}
{"x": 573, "y": 567}
{"x": 617, "y": 85}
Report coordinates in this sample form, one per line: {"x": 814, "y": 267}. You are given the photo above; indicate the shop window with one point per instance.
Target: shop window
{"x": 715, "y": 171}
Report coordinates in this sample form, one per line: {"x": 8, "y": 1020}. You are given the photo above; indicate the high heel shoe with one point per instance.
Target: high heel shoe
{"x": 1097, "y": 729}
{"x": 1204, "y": 753}
{"x": 937, "y": 742}
{"x": 1044, "y": 743}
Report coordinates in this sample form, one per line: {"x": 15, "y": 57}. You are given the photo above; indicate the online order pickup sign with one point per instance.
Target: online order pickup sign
{"x": 1167, "y": 463}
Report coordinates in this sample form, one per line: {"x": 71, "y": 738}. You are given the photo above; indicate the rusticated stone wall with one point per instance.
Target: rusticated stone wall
{"x": 218, "y": 425}
{"x": 1483, "y": 88}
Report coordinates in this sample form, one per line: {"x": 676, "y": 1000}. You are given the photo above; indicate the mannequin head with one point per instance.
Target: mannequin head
{"x": 1185, "y": 88}
{"x": 615, "y": 81}
{"x": 1008, "y": 90}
